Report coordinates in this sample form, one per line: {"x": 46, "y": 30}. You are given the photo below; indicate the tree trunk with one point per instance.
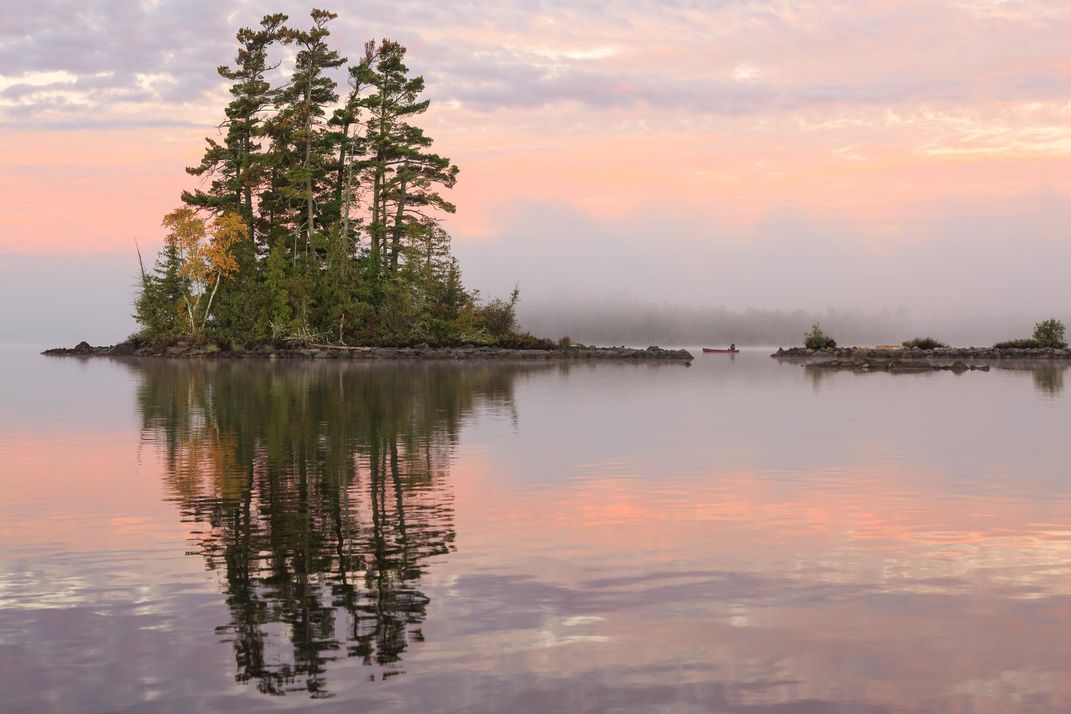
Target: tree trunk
{"x": 377, "y": 184}
{"x": 399, "y": 214}
{"x": 308, "y": 168}
{"x": 346, "y": 202}
{"x": 208, "y": 307}
{"x": 248, "y": 190}
{"x": 342, "y": 180}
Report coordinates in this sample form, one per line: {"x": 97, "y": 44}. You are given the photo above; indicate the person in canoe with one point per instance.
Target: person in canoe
{"x": 732, "y": 347}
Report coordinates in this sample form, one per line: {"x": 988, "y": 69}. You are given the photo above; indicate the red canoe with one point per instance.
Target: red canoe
{"x": 724, "y": 352}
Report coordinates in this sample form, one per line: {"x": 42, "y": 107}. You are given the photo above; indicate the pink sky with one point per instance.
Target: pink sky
{"x": 717, "y": 133}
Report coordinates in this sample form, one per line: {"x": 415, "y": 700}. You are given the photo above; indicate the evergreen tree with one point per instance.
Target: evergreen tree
{"x": 346, "y": 133}
{"x": 157, "y": 303}
{"x": 343, "y": 306}
{"x": 403, "y": 175}
{"x": 237, "y": 165}
{"x": 320, "y": 218}
{"x": 302, "y": 107}
{"x": 277, "y": 319}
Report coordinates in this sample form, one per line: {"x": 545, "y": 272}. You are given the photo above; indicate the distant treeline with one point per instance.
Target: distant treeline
{"x": 318, "y": 215}
{"x": 645, "y": 323}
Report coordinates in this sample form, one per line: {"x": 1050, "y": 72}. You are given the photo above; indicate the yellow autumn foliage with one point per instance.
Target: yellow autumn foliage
{"x": 205, "y": 255}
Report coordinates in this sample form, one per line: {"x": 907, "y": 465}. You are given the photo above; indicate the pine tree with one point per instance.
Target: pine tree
{"x": 237, "y": 165}
{"x": 404, "y": 176}
{"x": 346, "y": 134}
{"x": 302, "y": 107}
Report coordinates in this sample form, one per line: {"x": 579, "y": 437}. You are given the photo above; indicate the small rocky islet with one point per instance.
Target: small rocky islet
{"x": 954, "y": 359}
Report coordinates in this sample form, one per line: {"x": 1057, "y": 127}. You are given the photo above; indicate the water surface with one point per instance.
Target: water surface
{"x": 735, "y": 536}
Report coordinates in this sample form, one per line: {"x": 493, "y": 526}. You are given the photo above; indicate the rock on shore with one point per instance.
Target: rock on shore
{"x": 420, "y": 352}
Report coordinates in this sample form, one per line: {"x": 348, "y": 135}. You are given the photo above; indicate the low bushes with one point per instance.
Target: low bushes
{"x": 1047, "y": 334}
{"x": 924, "y": 343}
{"x": 524, "y": 341}
{"x": 1029, "y": 344}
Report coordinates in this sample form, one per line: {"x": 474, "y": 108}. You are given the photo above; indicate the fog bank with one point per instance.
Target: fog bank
{"x": 61, "y": 300}
{"x": 639, "y": 323}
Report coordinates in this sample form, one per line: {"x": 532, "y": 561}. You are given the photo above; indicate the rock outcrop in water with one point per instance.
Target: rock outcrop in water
{"x": 896, "y": 365}
{"x": 953, "y": 359}
{"x": 953, "y": 353}
{"x": 420, "y": 352}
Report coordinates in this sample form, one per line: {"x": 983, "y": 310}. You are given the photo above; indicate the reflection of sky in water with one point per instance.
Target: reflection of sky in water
{"x": 733, "y": 536}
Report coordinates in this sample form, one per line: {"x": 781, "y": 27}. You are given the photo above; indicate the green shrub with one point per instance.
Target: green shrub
{"x": 925, "y": 343}
{"x": 1017, "y": 345}
{"x": 1050, "y": 333}
{"x": 398, "y": 318}
{"x": 818, "y": 340}
{"x": 524, "y": 341}
{"x": 436, "y": 332}
{"x": 499, "y": 317}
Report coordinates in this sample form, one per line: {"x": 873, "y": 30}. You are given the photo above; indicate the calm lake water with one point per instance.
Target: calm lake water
{"x": 737, "y": 536}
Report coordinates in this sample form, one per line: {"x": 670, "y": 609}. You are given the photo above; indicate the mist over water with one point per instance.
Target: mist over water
{"x": 976, "y": 276}
{"x": 643, "y": 323}
{"x": 974, "y": 273}
{"x": 102, "y": 314}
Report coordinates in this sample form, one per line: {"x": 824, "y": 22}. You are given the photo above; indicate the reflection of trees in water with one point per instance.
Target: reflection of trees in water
{"x": 1049, "y": 379}
{"x": 318, "y": 493}
{"x": 817, "y": 375}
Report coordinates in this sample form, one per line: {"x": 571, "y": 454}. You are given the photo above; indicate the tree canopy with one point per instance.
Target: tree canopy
{"x": 318, "y": 215}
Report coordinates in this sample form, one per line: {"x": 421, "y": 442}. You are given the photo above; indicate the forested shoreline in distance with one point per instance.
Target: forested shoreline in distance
{"x": 318, "y": 218}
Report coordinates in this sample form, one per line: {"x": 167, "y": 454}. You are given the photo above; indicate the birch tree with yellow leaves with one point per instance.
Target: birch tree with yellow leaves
{"x": 205, "y": 258}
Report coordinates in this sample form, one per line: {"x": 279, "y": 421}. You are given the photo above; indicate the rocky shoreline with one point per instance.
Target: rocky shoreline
{"x": 973, "y": 353}
{"x": 954, "y": 359}
{"x": 183, "y": 350}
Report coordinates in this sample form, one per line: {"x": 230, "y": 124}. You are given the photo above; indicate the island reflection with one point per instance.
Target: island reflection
{"x": 319, "y": 493}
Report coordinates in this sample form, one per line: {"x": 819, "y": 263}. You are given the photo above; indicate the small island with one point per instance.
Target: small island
{"x": 922, "y": 354}
{"x": 316, "y": 230}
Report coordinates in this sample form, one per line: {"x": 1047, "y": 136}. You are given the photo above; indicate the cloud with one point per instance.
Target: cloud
{"x": 733, "y": 57}
{"x": 489, "y": 86}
